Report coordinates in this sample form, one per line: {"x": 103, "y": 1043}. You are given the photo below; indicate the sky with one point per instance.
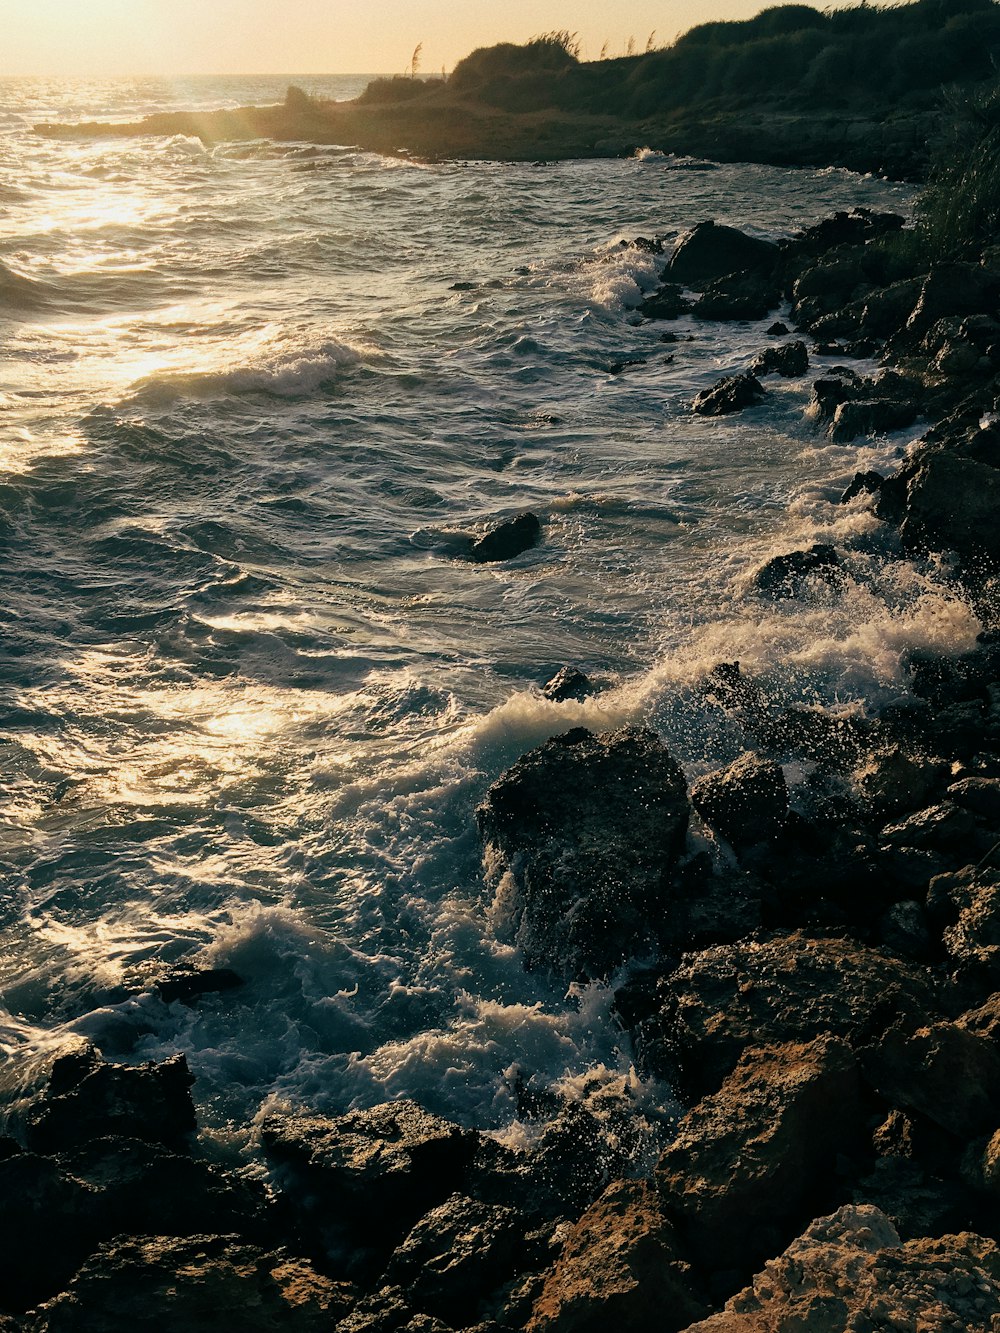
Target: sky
{"x": 94, "y": 38}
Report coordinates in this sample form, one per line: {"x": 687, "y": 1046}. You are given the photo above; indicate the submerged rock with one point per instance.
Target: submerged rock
{"x": 709, "y": 251}
{"x": 850, "y": 1271}
{"x": 506, "y": 540}
{"x": 568, "y": 683}
{"x": 786, "y": 575}
{"x": 746, "y": 803}
{"x": 586, "y": 830}
{"x": 620, "y": 1266}
{"x": 730, "y": 394}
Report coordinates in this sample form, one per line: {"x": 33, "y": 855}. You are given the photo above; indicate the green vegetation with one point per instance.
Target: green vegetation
{"x": 959, "y": 211}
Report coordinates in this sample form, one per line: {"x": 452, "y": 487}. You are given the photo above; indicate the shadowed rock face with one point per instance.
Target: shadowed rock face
{"x": 850, "y": 1272}
{"x": 730, "y": 394}
{"x": 745, "y": 803}
{"x": 586, "y": 831}
{"x": 506, "y": 540}
{"x": 709, "y": 251}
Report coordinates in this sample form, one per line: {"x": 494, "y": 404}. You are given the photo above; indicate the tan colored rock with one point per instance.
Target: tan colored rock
{"x": 619, "y": 1267}
{"x": 849, "y": 1273}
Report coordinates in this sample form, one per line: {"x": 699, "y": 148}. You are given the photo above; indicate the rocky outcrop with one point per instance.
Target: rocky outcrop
{"x": 568, "y": 683}
{"x": 730, "y": 394}
{"x": 745, "y": 803}
{"x": 789, "y": 575}
{"x": 710, "y": 251}
{"x": 789, "y": 359}
{"x": 506, "y": 540}
{"x": 583, "y": 835}
{"x": 850, "y": 1271}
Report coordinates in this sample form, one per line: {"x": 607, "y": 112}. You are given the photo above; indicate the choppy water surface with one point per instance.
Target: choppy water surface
{"x": 250, "y": 699}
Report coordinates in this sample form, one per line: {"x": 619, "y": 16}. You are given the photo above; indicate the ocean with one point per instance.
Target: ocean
{"x": 251, "y": 398}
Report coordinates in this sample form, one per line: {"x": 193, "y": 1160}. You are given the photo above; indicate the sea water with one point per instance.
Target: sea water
{"x": 251, "y": 397}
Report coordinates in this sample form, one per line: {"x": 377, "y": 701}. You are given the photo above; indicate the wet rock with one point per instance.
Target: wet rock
{"x": 789, "y": 987}
{"x": 506, "y": 540}
{"x": 620, "y": 1265}
{"x": 456, "y": 1255}
{"x": 385, "y": 1166}
{"x": 871, "y": 416}
{"x": 201, "y": 1285}
{"x": 790, "y": 360}
{"x": 730, "y": 394}
{"x": 864, "y": 483}
{"x": 88, "y": 1099}
{"x": 740, "y": 296}
{"x": 893, "y": 781}
{"x": 187, "y": 984}
{"x": 758, "y": 1157}
{"x": 786, "y": 575}
{"x": 587, "y": 830}
{"x": 943, "y": 1071}
{"x": 665, "y": 303}
{"x": 745, "y": 803}
{"x": 939, "y": 828}
{"x": 709, "y": 251}
{"x": 850, "y": 1271}
{"x": 778, "y": 329}
{"x": 44, "y": 1234}
{"x": 903, "y": 929}
{"x": 568, "y": 683}
{"x": 886, "y": 311}
{"x": 979, "y": 795}
{"x": 839, "y": 386}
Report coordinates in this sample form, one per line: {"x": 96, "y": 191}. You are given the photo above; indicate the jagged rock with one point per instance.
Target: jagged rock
{"x": 917, "y": 1202}
{"x": 88, "y": 1099}
{"x": 984, "y": 1021}
{"x": 620, "y": 1265}
{"x": 759, "y": 1156}
{"x": 386, "y": 1166}
{"x": 850, "y": 1272}
{"x": 568, "y": 683}
{"x": 587, "y": 830}
{"x": 784, "y": 988}
{"x": 863, "y": 483}
{"x": 456, "y": 1255}
{"x": 506, "y": 540}
{"x": 953, "y": 502}
{"x": 738, "y": 296}
{"x": 894, "y": 781}
{"x": 790, "y": 360}
{"x": 944, "y": 1072}
{"x": 886, "y": 311}
{"x": 968, "y": 901}
{"x": 939, "y": 828}
{"x": 665, "y": 303}
{"x": 44, "y": 1234}
{"x": 186, "y": 984}
{"x": 709, "y": 251}
{"x": 777, "y": 329}
{"x": 838, "y": 386}
{"x": 903, "y": 929}
{"x": 870, "y": 416}
{"x": 786, "y": 575}
{"x": 952, "y": 289}
{"x": 388, "y": 1311}
{"x": 201, "y": 1285}
{"x": 980, "y": 795}
{"x": 745, "y": 803}
{"x": 730, "y": 394}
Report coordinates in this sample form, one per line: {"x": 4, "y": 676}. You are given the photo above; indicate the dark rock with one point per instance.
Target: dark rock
{"x": 886, "y": 311}
{"x": 833, "y": 389}
{"x": 745, "y": 803}
{"x": 201, "y": 1285}
{"x": 864, "y": 483}
{"x": 938, "y": 828}
{"x": 850, "y": 1272}
{"x": 790, "y": 360}
{"x": 944, "y": 1072}
{"x": 620, "y": 1266}
{"x": 506, "y": 540}
{"x": 44, "y": 1234}
{"x": 385, "y": 1166}
{"x": 589, "y": 829}
{"x": 738, "y": 296}
{"x": 456, "y": 1255}
{"x": 730, "y": 394}
{"x": 186, "y": 984}
{"x": 665, "y": 303}
{"x": 758, "y": 1157}
{"x": 903, "y": 929}
{"x": 980, "y": 795}
{"x": 870, "y": 416}
{"x": 777, "y": 329}
{"x": 88, "y": 1099}
{"x": 709, "y": 251}
{"x": 953, "y": 502}
{"x": 789, "y": 987}
{"x": 968, "y": 901}
{"x": 568, "y": 683}
{"x": 786, "y": 575}
{"x": 952, "y": 289}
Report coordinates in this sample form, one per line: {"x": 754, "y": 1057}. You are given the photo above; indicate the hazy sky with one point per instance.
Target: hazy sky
{"x": 96, "y": 37}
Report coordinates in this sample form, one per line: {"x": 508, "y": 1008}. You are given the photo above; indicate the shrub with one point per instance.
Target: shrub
{"x": 959, "y": 211}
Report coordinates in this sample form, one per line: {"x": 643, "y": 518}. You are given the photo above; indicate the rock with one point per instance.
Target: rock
{"x": 870, "y": 416}
{"x": 984, "y": 1021}
{"x": 88, "y": 1099}
{"x": 759, "y": 1156}
{"x": 709, "y": 251}
{"x": 745, "y": 803}
{"x": 186, "y": 984}
{"x": 939, "y": 828}
{"x": 952, "y": 502}
{"x": 943, "y": 1071}
{"x": 893, "y": 781}
{"x": 886, "y": 311}
{"x": 201, "y": 1285}
{"x": 665, "y": 303}
{"x": 839, "y": 386}
{"x": 952, "y": 289}
{"x": 506, "y": 540}
{"x": 786, "y": 575}
{"x": 738, "y": 296}
{"x": 568, "y": 683}
{"x": 784, "y": 988}
{"x": 917, "y": 1202}
{"x": 973, "y": 940}
{"x": 903, "y": 929}
{"x": 850, "y": 1272}
{"x": 778, "y": 329}
{"x": 620, "y": 1266}
{"x": 863, "y": 483}
{"x": 44, "y": 1235}
{"x": 456, "y": 1255}
{"x": 979, "y": 795}
{"x": 730, "y": 394}
{"x": 790, "y": 360}
{"x": 587, "y": 830}
{"x": 384, "y": 1167}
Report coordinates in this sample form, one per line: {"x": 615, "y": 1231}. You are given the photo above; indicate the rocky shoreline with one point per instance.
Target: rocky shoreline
{"x": 821, "y": 993}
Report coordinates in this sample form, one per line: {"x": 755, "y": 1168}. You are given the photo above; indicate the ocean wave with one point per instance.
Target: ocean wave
{"x": 296, "y": 373}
